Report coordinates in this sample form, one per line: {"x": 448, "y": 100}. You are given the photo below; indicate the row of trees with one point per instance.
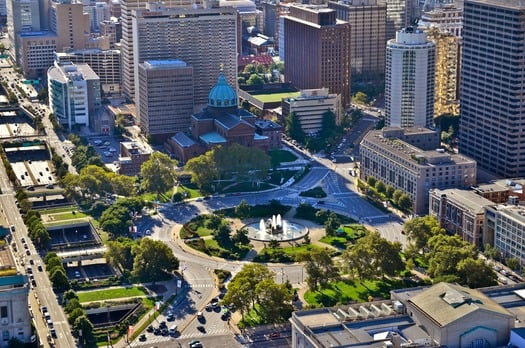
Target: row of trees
{"x": 448, "y": 257}
{"x": 144, "y": 260}
{"x": 258, "y": 74}
{"x": 244, "y": 163}
{"x": 77, "y": 318}
{"x": 397, "y": 197}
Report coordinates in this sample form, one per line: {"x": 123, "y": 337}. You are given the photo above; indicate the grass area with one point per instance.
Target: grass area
{"x": 342, "y": 292}
{"x": 67, "y": 216}
{"x": 190, "y": 189}
{"x": 199, "y": 226}
{"x": 69, "y": 208}
{"x": 282, "y": 156}
{"x": 286, "y": 254}
{"x": 163, "y": 197}
{"x": 112, "y": 293}
{"x": 275, "y": 97}
{"x": 344, "y": 235}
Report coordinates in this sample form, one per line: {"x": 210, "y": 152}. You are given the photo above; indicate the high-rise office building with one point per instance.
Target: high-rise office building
{"x": 127, "y": 49}
{"x": 22, "y": 16}
{"x": 491, "y": 85}
{"x": 398, "y": 15}
{"x": 317, "y": 50}
{"x": 165, "y": 97}
{"x": 409, "y": 79}
{"x": 191, "y": 35}
{"x": 367, "y": 41}
{"x": 446, "y": 17}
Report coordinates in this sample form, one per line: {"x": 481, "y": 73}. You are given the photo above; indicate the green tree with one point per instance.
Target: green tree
{"x": 446, "y": 252}
{"x": 203, "y": 170}
{"x": 118, "y": 253}
{"x": 380, "y": 186}
{"x": 372, "y": 256}
{"x": 475, "y": 273}
{"x": 255, "y": 79}
{"x": 68, "y": 295}
{"x": 152, "y": 259}
{"x": 360, "y": 98}
{"x": 420, "y": 229}
{"x": 404, "y": 202}
{"x": 72, "y": 304}
{"x": 116, "y": 220}
{"x": 320, "y": 269}
{"x": 275, "y": 301}
{"x": 371, "y": 181}
{"x": 328, "y": 125}
{"x": 396, "y": 195}
{"x": 243, "y": 209}
{"x": 222, "y": 235}
{"x": 158, "y": 173}
{"x": 293, "y": 127}
{"x": 59, "y": 279}
{"x": 83, "y": 328}
{"x": 389, "y": 191}
{"x": 513, "y": 263}
{"x": 491, "y": 252}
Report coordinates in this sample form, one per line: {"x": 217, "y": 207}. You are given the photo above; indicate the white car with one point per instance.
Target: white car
{"x": 112, "y": 149}
{"x": 108, "y": 154}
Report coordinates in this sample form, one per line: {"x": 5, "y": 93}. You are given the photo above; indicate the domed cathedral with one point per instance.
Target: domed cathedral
{"x": 222, "y": 122}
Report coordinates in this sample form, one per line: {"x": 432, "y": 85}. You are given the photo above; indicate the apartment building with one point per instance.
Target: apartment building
{"x": 410, "y": 79}
{"x": 410, "y": 160}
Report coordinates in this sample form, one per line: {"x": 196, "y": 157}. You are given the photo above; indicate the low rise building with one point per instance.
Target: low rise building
{"x": 442, "y": 315}
{"x": 132, "y": 155}
{"x": 311, "y": 106}
{"x": 460, "y": 212}
{"x": 500, "y": 191}
{"x": 410, "y": 160}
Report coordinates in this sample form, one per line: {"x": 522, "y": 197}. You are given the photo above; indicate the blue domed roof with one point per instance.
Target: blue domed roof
{"x": 222, "y": 95}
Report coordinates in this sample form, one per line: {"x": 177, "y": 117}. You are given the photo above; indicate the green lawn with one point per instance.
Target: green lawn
{"x": 275, "y": 97}
{"x": 282, "y": 156}
{"x": 247, "y": 187}
{"x": 69, "y": 208}
{"x": 68, "y": 216}
{"x": 112, "y": 293}
{"x": 191, "y": 190}
{"x": 344, "y": 291}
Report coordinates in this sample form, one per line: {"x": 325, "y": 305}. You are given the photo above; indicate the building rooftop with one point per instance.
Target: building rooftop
{"x": 135, "y": 147}
{"x": 183, "y": 140}
{"x": 213, "y": 138}
{"x": 516, "y": 212}
{"x": 164, "y": 64}
{"x": 467, "y": 198}
{"x": 422, "y": 158}
{"x": 445, "y": 303}
{"x": 514, "y": 185}
{"x": 513, "y": 4}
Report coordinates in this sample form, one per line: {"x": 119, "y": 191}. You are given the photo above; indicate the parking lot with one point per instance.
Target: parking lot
{"x": 107, "y": 147}
{"x": 93, "y": 270}
{"x": 63, "y": 237}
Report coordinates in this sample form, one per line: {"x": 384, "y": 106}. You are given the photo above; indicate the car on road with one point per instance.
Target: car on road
{"x": 150, "y": 328}
{"x": 40, "y": 268}
{"x": 28, "y": 252}
{"x": 274, "y": 335}
{"x": 142, "y": 338}
{"x": 77, "y": 274}
{"x": 170, "y": 317}
{"x": 201, "y": 328}
{"x": 53, "y": 332}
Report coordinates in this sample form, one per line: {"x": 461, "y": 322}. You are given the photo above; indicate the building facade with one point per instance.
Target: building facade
{"x": 448, "y": 18}
{"x": 310, "y": 108}
{"x": 316, "y": 42}
{"x": 492, "y": 108}
{"x": 165, "y": 97}
{"x": 448, "y": 53}
{"x": 74, "y": 93}
{"x": 460, "y": 212}
{"x": 368, "y": 36}
{"x": 132, "y": 155}
{"x": 191, "y": 36}
{"x": 410, "y": 79}
{"x": 22, "y": 16}
{"x": 105, "y": 63}
{"x": 410, "y": 160}
{"x": 505, "y": 227}
{"x": 127, "y": 45}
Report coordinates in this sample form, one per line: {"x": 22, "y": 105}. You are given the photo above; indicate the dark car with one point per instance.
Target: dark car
{"x": 195, "y": 344}
{"x": 150, "y": 328}
{"x": 53, "y": 332}
{"x": 163, "y": 325}
{"x": 201, "y": 328}
{"x": 142, "y": 338}
{"x": 157, "y": 331}
{"x": 39, "y": 268}
{"x": 275, "y": 335}
{"x": 170, "y": 317}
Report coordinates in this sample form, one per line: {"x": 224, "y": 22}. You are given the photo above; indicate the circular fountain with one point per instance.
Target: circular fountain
{"x": 276, "y": 228}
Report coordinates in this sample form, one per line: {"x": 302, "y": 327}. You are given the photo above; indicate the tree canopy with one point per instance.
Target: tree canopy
{"x": 152, "y": 259}
{"x": 158, "y": 173}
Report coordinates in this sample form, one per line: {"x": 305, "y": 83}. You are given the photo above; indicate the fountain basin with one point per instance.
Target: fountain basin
{"x": 276, "y": 229}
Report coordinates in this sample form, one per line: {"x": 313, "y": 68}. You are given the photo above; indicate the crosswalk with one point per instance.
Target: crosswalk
{"x": 152, "y": 339}
{"x": 201, "y": 285}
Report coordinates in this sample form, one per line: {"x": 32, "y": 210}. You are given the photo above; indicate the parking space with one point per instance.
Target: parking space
{"x": 73, "y": 236}
{"x": 93, "y": 270}
{"x": 107, "y": 147}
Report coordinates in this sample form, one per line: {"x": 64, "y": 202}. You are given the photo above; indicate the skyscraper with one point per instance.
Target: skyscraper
{"x": 317, "y": 50}
{"x": 127, "y": 7}
{"x": 367, "y": 43}
{"x": 203, "y": 38}
{"x": 492, "y": 78}
{"x": 409, "y": 80}
{"x": 165, "y": 97}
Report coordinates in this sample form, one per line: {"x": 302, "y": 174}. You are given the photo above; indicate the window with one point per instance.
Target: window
{"x": 3, "y": 312}
{"x": 5, "y": 335}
